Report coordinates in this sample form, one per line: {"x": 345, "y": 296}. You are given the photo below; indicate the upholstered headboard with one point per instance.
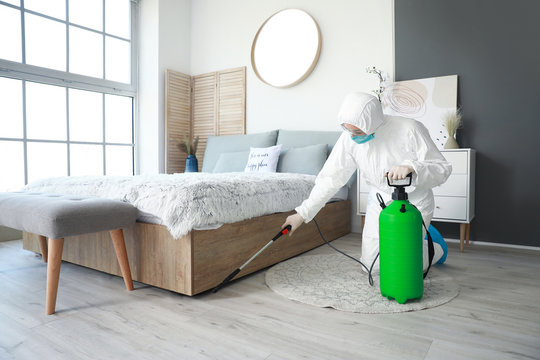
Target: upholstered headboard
{"x": 300, "y": 138}
{"x": 302, "y": 151}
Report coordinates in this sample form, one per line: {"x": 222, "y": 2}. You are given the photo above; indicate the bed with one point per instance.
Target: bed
{"x": 194, "y": 229}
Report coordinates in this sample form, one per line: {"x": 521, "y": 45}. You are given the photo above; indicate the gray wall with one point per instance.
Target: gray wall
{"x": 494, "y": 48}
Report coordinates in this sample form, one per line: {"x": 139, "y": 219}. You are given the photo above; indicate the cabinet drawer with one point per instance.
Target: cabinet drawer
{"x": 458, "y": 159}
{"x": 456, "y": 185}
{"x": 450, "y": 208}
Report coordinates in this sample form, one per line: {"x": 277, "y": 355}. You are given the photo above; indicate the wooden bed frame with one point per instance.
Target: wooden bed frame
{"x": 200, "y": 260}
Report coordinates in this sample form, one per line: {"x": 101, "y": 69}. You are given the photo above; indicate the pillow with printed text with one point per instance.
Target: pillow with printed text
{"x": 263, "y": 159}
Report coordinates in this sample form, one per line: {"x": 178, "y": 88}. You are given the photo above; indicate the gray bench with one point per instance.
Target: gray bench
{"x": 56, "y": 216}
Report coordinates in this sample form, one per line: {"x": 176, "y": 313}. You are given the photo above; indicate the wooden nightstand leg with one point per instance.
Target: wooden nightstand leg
{"x": 363, "y": 222}
{"x": 468, "y": 232}
{"x": 462, "y": 231}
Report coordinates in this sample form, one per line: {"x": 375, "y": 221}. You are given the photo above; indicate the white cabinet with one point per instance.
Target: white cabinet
{"x": 454, "y": 200}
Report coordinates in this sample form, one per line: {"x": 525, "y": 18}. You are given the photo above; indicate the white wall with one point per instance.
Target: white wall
{"x": 146, "y": 127}
{"x": 164, "y": 43}
{"x": 355, "y": 34}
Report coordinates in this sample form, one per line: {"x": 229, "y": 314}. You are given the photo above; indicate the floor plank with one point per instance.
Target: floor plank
{"x": 496, "y": 315}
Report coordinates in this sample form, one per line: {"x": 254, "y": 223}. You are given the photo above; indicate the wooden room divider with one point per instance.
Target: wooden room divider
{"x": 199, "y": 106}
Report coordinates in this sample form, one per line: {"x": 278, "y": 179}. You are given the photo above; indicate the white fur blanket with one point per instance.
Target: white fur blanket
{"x": 185, "y": 201}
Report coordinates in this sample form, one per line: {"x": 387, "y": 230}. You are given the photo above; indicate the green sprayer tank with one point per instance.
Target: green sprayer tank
{"x": 400, "y": 248}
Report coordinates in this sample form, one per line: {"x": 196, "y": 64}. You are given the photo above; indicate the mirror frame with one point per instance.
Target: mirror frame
{"x": 315, "y": 58}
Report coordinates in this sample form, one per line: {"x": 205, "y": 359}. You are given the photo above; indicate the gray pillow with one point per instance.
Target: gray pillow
{"x": 231, "y": 162}
{"x": 218, "y": 145}
{"x": 305, "y": 160}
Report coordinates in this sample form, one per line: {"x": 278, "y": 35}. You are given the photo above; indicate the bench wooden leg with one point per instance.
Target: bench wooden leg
{"x": 53, "y": 273}
{"x": 43, "y": 247}
{"x": 117, "y": 237}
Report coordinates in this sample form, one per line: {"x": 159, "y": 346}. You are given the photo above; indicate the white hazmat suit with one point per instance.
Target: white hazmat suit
{"x": 397, "y": 141}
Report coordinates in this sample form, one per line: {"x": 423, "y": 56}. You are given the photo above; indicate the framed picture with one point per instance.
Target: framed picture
{"x": 426, "y": 100}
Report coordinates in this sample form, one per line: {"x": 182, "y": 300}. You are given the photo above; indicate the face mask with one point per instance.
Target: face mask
{"x": 360, "y": 139}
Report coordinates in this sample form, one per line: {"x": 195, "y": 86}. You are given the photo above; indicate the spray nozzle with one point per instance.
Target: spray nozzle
{"x": 399, "y": 191}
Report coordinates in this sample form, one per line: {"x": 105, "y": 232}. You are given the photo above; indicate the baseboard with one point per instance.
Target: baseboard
{"x": 486, "y": 243}
{"x": 481, "y": 243}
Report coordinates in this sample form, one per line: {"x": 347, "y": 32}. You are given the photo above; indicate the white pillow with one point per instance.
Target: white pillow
{"x": 263, "y": 159}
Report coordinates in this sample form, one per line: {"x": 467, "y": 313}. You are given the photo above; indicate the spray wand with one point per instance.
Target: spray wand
{"x": 283, "y": 231}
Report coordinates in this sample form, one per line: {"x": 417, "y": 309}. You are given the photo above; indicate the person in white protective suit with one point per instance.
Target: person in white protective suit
{"x": 378, "y": 145}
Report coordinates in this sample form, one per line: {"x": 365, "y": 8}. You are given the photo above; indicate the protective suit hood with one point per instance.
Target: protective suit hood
{"x": 361, "y": 110}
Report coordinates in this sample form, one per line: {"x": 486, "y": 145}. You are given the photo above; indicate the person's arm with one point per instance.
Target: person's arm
{"x": 430, "y": 167}
{"x": 337, "y": 170}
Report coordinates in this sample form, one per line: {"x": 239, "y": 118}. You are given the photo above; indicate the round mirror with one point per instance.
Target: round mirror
{"x": 286, "y": 48}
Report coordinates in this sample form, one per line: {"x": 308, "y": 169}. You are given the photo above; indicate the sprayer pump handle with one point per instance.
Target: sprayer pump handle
{"x": 409, "y": 175}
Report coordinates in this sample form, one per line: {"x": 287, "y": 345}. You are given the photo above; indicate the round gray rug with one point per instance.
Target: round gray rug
{"x": 338, "y": 282}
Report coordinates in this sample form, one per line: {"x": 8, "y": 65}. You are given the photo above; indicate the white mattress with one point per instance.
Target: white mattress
{"x": 183, "y": 202}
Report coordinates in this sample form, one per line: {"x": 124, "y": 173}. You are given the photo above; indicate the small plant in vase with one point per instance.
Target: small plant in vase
{"x": 190, "y": 148}
{"x": 452, "y": 121}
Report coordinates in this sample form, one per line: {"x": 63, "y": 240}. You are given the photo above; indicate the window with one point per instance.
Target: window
{"x": 67, "y": 89}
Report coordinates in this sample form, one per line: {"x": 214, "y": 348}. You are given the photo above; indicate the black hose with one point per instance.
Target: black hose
{"x": 370, "y": 277}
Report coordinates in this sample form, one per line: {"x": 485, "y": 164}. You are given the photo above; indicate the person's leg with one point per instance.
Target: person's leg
{"x": 370, "y": 232}
{"x": 439, "y": 252}
{"x": 439, "y": 240}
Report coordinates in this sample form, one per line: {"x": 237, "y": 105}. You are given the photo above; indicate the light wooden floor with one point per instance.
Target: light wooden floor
{"x": 495, "y": 316}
